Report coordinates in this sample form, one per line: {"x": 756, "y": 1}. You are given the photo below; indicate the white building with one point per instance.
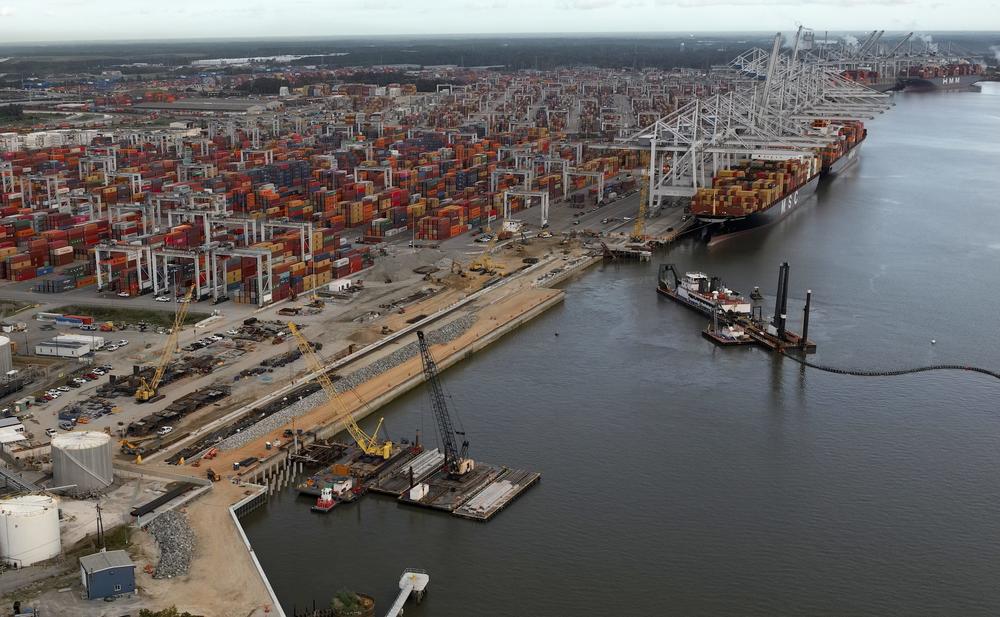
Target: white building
{"x": 95, "y": 342}
{"x": 62, "y": 349}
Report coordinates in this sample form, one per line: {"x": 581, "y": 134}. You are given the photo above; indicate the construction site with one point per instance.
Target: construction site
{"x": 277, "y": 275}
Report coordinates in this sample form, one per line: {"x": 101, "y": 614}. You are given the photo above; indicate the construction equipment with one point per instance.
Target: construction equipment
{"x": 213, "y": 475}
{"x": 134, "y": 447}
{"x": 369, "y": 444}
{"x": 639, "y": 229}
{"x": 484, "y": 263}
{"x": 147, "y": 390}
{"x": 456, "y": 462}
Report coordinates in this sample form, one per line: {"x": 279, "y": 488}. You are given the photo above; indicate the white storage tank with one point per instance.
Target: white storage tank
{"x": 29, "y": 529}
{"x": 6, "y": 361}
{"x": 82, "y": 458}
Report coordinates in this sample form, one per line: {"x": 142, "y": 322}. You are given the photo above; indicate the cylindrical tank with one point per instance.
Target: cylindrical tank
{"x": 29, "y": 529}
{"x": 83, "y": 459}
{"x": 6, "y": 362}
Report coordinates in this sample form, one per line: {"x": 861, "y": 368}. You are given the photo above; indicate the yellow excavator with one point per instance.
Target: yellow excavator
{"x": 483, "y": 263}
{"x": 147, "y": 389}
{"x": 369, "y": 444}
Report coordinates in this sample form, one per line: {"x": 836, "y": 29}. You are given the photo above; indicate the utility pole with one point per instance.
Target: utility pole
{"x": 100, "y": 529}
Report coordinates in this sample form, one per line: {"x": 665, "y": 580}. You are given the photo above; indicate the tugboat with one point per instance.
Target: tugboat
{"x": 325, "y": 502}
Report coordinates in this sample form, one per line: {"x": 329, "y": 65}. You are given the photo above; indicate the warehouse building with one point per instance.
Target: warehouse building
{"x": 106, "y": 574}
{"x": 62, "y": 349}
{"x": 95, "y": 342}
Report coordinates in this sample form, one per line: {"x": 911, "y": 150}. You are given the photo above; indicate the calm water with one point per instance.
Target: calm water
{"x": 683, "y": 479}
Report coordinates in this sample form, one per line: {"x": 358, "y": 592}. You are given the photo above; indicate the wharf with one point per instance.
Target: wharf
{"x": 318, "y": 454}
{"x": 446, "y": 493}
{"x": 396, "y": 479}
{"x": 498, "y": 494}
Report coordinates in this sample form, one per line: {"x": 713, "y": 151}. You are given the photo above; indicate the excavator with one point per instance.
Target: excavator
{"x": 147, "y": 390}
{"x": 484, "y": 263}
{"x": 135, "y": 447}
{"x": 369, "y": 444}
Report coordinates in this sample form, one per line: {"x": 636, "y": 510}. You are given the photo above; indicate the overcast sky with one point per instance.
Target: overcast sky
{"x": 48, "y": 20}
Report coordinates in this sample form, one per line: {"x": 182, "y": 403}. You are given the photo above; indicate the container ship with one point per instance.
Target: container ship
{"x": 844, "y": 150}
{"x": 699, "y": 292}
{"x": 757, "y": 192}
{"x": 962, "y": 76}
{"x": 872, "y": 79}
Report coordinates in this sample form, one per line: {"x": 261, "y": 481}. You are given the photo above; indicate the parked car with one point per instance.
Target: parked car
{"x": 111, "y": 348}
{"x": 88, "y": 327}
{"x": 215, "y": 337}
{"x": 66, "y": 425}
{"x": 124, "y": 294}
{"x": 98, "y": 371}
{"x": 63, "y": 388}
{"x": 50, "y": 432}
{"x": 123, "y": 342}
{"x": 164, "y": 430}
{"x": 162, "y": 298}
{"x": 105, "y": 367}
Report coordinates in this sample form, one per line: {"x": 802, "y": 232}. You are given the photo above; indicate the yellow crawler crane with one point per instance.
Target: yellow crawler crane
{"x": 483, "y": 263}
{"x": 147, "y": 389}
{"x": 369, "y": 444}
{"x": 639, "y": 229}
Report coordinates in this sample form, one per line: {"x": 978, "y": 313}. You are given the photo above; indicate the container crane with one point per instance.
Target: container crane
{"x": 456, "y": 462}
{"x": 147, "y": 390}
{"x": 369, "y": 444}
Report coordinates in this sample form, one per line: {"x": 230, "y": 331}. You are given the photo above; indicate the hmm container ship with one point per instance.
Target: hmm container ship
{"x": 960, "y": 76}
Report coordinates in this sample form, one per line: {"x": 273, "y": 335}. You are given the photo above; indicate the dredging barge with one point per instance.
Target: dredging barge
{"x": 736, "y": 321}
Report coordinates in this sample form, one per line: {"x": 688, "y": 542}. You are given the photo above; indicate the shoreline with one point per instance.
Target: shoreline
{"x": 499, "y": 309}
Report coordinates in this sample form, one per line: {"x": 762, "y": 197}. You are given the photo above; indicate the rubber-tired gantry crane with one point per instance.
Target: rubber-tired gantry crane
{"x": 369, "y": 444}
{"x": 147, "y": 389}
{"x": 456, "y": 462}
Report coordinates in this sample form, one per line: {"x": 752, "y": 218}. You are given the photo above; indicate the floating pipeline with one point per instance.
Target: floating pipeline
{"x": 890, "y": 373}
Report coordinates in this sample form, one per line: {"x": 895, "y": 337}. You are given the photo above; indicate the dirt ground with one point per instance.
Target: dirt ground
{"x": 222, "y": 581}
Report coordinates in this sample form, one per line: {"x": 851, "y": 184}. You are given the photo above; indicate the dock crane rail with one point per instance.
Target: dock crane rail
{"x": 369, "y": 444}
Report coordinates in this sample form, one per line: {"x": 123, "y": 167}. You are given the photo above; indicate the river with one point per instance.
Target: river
{"x": 679, "y": 478}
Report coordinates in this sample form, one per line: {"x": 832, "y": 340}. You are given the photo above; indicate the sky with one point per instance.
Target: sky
{"x": 53, "y": 20}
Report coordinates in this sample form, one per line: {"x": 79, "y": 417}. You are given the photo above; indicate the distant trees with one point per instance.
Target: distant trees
{"x": 264, "y": 85}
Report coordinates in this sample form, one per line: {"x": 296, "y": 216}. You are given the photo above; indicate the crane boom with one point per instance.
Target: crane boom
{"x": 639, "y": 229}
{"x": 456, "y": 461}
{"x": 369, "y": 444}
{"x": 147, "y": 390}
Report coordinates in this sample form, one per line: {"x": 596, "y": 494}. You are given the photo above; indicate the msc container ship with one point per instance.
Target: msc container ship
{"x": 761, "y": 191}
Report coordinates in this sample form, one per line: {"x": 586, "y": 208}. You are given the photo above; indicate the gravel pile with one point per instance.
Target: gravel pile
{"x": 176, "y": 541}
{"x": 444, "y": 334}
{"x": 273, "y": 421}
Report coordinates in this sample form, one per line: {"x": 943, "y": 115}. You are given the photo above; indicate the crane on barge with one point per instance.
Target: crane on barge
{"x": 456, "y": 461}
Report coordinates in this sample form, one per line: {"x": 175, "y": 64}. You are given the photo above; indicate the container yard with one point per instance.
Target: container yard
{"x": 222, "y": 291}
